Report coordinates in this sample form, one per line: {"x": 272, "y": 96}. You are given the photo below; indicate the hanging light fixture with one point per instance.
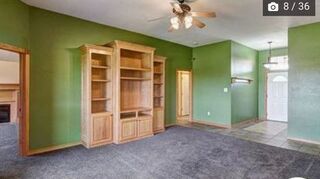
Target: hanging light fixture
{"x": 269, "y": 64}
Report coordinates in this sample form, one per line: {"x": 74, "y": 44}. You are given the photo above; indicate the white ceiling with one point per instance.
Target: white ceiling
{"x": 8, "y": 56}
{"x": 238, "y": 20}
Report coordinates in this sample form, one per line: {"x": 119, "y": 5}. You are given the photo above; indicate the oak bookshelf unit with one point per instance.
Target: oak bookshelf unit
{"x": 158, "y": 94}
{"x": 97, "y": 96}
{"x": 133, "y": 117}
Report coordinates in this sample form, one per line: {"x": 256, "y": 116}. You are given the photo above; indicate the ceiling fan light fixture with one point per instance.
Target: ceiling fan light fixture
{"x": 188, "y": 22}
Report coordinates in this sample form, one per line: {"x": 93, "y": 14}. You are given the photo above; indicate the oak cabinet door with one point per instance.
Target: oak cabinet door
{"x": 145, "y": 126}
{"x": 128, "y": 129}
{"x": 101, "y": 129}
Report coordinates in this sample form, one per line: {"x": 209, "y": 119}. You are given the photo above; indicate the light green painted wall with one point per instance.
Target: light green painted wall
{"x": 263, "y": 58}
{"x": 244, "y": 97}
{"x": 14, "y": 23}
{"x": 304, "y": 82}
{"x": 55, "y": 66}
{"x": 211, "y": 74}
{"x": 55, "y": 72}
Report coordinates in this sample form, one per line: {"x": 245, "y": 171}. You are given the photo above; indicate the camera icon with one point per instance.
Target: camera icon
{"x": 273, "y": 7}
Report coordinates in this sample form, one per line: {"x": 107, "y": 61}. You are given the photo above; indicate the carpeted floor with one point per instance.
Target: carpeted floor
{"x": 178, "y": 153}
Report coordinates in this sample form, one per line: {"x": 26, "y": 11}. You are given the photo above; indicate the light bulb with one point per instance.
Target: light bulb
{"x": 187, "y": 25}
{"x": 174, "y": 20}
{"x": 175, "y": 26}
{"x": 268, "y": 66}
{"x": 175, "y": 23}
{"x": 188, "y": 21}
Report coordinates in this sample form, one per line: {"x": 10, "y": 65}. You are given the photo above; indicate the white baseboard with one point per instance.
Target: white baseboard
{"x": 303, "y": 140}
{"x": 170, "y": 125}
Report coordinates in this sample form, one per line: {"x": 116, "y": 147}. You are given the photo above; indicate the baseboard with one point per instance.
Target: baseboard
{"x": 52, "y": 148}
{"x": 170, "y": 125}
{"x": 226, "y": 126}
{"x": 303, "y": 140}
{"x": 235, "y": 125}
{"x": 262, "y": 118}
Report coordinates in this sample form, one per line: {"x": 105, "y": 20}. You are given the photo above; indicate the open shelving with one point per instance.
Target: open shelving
{"x": 134, "y": 98}
{"x": 97, "y": 95}
{"x": 158, "y": 93}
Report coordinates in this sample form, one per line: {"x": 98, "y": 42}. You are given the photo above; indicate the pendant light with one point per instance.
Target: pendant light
{"x": 269, "y": 64}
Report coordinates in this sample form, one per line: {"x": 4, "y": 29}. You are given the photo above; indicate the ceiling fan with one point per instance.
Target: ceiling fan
{"x": 183, "y": 16}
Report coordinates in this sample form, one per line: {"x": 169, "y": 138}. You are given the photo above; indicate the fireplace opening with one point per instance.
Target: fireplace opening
{"x": 4, "y": 113}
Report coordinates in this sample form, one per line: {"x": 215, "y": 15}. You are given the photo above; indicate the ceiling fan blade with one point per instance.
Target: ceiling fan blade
{"x": 156, "y": 19}
{"x": 198, "y": 23}
{"x": 203, "y": 14}
{"x": 171, "y": 29}
{"x": 177, "y": 7}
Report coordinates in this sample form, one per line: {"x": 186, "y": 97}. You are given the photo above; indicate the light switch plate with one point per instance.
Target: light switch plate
{"x": 225, "y": 90}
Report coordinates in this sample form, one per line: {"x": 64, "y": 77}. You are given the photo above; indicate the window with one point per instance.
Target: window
{"x": 280, "y": 79}
{"x": 282, "y": 65}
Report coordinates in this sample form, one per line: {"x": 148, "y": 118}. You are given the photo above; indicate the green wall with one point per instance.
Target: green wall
{"x": 14, "y": 26}
{"x": 55, "y": 72}
{"x": 263, "y": 58}
{"x": 244, "y": 97}
{"x": 304, "y": 83}
{"x": 54, "y": 41}
{"x": 211, "y": 74}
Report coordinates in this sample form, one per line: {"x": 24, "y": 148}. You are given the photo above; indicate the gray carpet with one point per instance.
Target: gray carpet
{"x": 178, "y": 153}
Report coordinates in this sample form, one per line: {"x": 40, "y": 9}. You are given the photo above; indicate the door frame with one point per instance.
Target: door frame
{"x": 24, "y": 86}
{"x": 190, "y": 93}
{"x": 266, "y": 91}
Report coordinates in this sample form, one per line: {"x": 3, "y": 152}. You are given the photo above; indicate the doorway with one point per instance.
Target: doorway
{"x": 14, "y": 97}
{"x": 277, "y": 96}
{"x": 184, "y": 95}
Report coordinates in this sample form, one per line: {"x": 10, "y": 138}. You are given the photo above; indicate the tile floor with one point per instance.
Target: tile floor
{"x": 266, "y": 132}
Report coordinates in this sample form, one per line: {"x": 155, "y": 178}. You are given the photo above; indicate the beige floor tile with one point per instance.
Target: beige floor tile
{"x": 310, "y": 150}
{"x": 276, "y": 143}
{"x": 261, "y": 135}
{"x": 291, "y": 145}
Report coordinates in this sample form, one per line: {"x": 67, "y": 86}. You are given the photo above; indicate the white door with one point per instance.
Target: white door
{"x": 185, "y": 96}
{"x": 277, "y": 96}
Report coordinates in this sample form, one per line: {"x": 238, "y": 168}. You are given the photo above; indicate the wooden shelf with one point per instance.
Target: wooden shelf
{"x": 96, "y": 107}
{"x": 101, "y": 99}
{"x": 101, "y": 81}
{"x": 102, "y": 113}
{"x": 140, "y": 109}
{"x": 135, "y": 78}
{"x": 158, "y": 94}
{"x": 135, "y": 69}
{"x": 100, "y": 67}
{"x": 158, "y": 83}
{"x": 145, "y": 115}
{"x": 158, "y": 107}
{"x": 128, "y": 116}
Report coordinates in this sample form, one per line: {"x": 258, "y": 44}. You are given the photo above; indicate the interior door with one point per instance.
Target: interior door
{"x": 185, "y": 96}
{"x": 277, "y": 96}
